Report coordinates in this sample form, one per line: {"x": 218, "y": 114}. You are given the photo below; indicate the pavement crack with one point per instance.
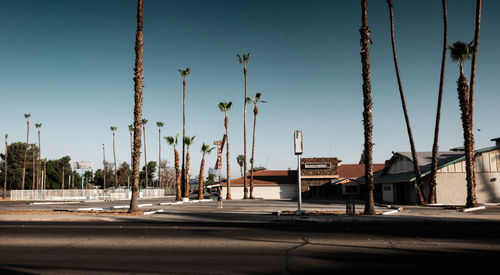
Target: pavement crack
{"x": 305, "y": 241}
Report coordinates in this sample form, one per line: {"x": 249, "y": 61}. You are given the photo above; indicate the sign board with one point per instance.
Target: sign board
{"x": 298, "y": 142}
{"x": 317, "y": 165}
{"x": 83, "y": 165}
{"x": 215, "y": 172}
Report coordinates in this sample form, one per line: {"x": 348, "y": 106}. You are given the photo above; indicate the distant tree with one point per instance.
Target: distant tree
{"x": 184, "y": 74}
{"x": 124, "y": 172}
{"x": 205, "y": 149}
{"x": 244, "y": 59}
{"x": 113, "y": 129}
{"x": 27, "y": 117}
{"x": 104, "y": 167}
{"x": 38, "y": 126}
{"x": 173, "y": 141}
{"x": 5, "y": 167}
{"x": 144, "y": 122}
{"x": 255, "y": 100}
{"x": 225, "y": 107}
{"x": 159, "y": 124}
{"x": 240, "y": 159}
{"x": 131, "y": 131}
{"x": 148, "y": 170}
{"x": 14, "y": 166}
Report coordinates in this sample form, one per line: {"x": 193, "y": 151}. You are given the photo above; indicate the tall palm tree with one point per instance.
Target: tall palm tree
{"x": 188, "y": 141}
{"x": 184, "y": 74}
{"x": 255, "y": 100}
{"x": 367, "y": 109}
{"x": 159, "y": 124}
{"x": 144, "y": 122}
{"x": 173, "y": 141}
{"x": 460, "y": 52}
{"x": 435, "y": 148}
{"x": 33, "y": 181}
{"x": 113, "y": 129}
{"x": 244, "y": 60}
{"x": 27, "y": 117}
{"x": 131, "y": 132}
{"x": 225, "y": 107}
{"x": 416, "y": 167}
{"x": 5, "y": 168}
{"x": 205, "y": 149}
{"x": 138, "y": 86}
{"x": 104, "y": 166}
{"x": 38, "y": 126}
{"x": 471, "y": 184}
{"x": 240, "y": 159}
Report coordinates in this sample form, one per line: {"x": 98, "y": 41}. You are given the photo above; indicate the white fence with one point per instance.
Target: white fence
{"x": 73, "y": 194}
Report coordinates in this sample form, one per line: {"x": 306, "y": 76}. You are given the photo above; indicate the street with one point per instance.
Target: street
{"x": 243, "y": 248}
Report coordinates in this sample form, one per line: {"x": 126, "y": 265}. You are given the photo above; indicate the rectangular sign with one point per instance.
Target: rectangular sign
{"x": 83, "y": 165}
{"x": 317, "y": 165}
{"x": 298, "y": 142}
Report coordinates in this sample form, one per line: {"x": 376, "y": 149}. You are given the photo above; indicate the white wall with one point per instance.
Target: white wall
{"x": 284, "y": 191}
{"x": 452, "y": 188}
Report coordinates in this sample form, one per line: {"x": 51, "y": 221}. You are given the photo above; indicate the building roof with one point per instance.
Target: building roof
{"x": 356, "y": 170}
{"x": 268, "y": 177}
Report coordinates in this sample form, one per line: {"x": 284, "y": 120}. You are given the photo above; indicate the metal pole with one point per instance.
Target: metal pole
{"x": 299, "y": 191}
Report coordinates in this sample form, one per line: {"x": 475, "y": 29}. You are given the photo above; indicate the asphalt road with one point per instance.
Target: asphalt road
{"x": 247, "y": 248}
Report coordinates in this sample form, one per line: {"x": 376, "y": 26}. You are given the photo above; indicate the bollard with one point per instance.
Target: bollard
{"x": 350, "y": 208}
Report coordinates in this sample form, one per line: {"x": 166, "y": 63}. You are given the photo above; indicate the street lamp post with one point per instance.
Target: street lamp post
{"x": 298, "y": 151}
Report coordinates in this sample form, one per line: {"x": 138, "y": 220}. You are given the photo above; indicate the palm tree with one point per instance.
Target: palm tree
{"x": 33, "y": 181}
{"x": 205, "y": 149}
{"x": 184, "y": 74}
{"x": 113, "y": 129}
{"x": 131, "y": 132}
{"x": 104, "y": 164}
{"x": 173, "y": 141}
{"x": 159, "y": 124}
{"x": 240, "y": 159}
{"x": 144, "y": 122}
{"x": 188, "y": 141}
{"x": 416, "y": 167}
{"x": 5, "y": 169}
{"x": 432, "y": 191}
{"x": 255, "y": 99}
{"x": 138, "y": 86}
{"x": 27, "y": 117}
{"x": 225, "y": 107}
{"x": 367, "y": 109}
{"x": 460, "y": 52}
{"x": 244, "y": 60}
{"x": 38, "y": 126}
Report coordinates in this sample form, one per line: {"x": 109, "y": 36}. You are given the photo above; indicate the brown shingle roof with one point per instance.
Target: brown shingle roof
{"x": 356, "y": 170}
{"x": 268, "y": 177}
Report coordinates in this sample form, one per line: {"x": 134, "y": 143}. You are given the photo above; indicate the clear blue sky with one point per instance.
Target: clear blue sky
{"x": 70, "y": 64}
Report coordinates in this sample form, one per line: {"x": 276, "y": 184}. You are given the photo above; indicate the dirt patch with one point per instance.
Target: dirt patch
{"x": 67, "y": 212}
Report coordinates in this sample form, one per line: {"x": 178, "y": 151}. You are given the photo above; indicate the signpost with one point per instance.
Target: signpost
{"x": 83, "y": 165}
{"x": 297, "y": 138}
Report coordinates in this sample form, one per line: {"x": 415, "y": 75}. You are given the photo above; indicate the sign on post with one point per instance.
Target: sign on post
{"x": 298, "y": 142}
{"x": 83, "y": 165}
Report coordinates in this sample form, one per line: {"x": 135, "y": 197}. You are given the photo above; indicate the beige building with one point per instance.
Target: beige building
{"x": 397, "y": 181}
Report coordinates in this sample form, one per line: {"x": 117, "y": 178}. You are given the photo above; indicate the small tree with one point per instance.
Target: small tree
{"x": 188, "y": 141}
{"x": 205, "y": 149}
{"x": 173, "y": 141}
{"x": 225, "y": 107}
{"x": 27, "y": 117}
{"x": 113, "y": 129}
{"x": 159, "y": 124}
{"x": 5, "y": 170}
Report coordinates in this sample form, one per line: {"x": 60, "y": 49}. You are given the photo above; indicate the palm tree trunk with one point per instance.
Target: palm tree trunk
{"x": 39, "y": 162}
{"x": 25, "y": 153}
{"x": 5, "y": 171}
{"x": 435, "y": 148}
{"x": 367, "y": 109}
{"x": 469, "y": 145}
{"x": 159, "y": 158}
{"x": 145, "y": 156}
{"x": 255, "y": 112}
{"x": 138, "y": 86}
{"x": 177, "y": 176}
{"x": 468, "y": 137}
{"x": 228, "y": 195}
{"x": 104, "y": 163}
{"x": 200, "y": 186}
{"x": 186, "y": 188}
{"x": 245, "y": 189}
{"x": 416, "y": 167}
{"x": 62, "y": 183}
{"x": 183, "y": 170}
{"x": 114, "y": 158}
{"x": 33, "y": 182}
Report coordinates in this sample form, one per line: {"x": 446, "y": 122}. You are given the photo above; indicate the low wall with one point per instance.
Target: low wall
{"x": 73, "y": 194}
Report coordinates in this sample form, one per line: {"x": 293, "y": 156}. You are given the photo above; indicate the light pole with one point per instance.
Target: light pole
{"x": 298, "y": 151}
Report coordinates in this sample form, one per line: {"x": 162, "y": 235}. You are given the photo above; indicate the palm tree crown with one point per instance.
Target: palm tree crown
{"x": 189, "y": 141}
{"x": 113, "y": 128}
{"x": 171, "y": 140}
{"x": 225, "y": 106}
{"x": 160, "y": 124}
{"x": 184, "y": 73}
{"x": 460, "y": 51}
{"x": 244, "y": 59}
{"x": 206, "y": 149}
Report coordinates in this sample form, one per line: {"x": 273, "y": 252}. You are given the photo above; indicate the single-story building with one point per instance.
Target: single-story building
{"x": 267, "y": 184}
{"x": 397, "y": 179}
{"x": 351, "y": 178}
